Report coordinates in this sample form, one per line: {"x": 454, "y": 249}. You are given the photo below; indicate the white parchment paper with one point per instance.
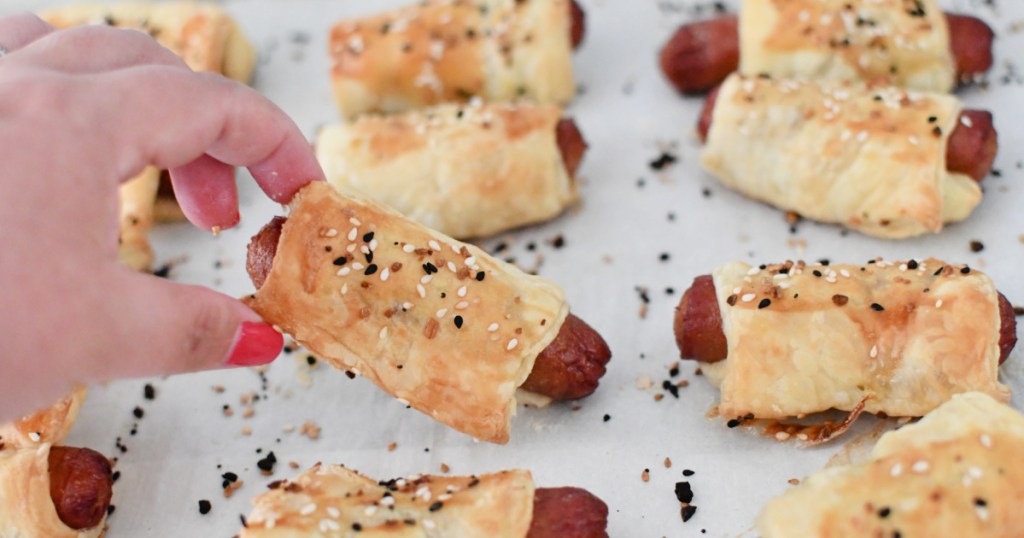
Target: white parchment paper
{"x": 636, "y": 229}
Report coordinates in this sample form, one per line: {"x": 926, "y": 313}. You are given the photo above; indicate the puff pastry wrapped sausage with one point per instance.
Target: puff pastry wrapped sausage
{"x": 441, "y": 51}
{"x": 907, "y": 44}
{"x": 895, "y": 338}
{"x": 871, "y": 159}
{"x": 437, "y": 323}
{"x": 951, "y": 474}
{"x": 466, "y": 171}
{"x": 55, "y": 492}
{"x": 330, "y": 501}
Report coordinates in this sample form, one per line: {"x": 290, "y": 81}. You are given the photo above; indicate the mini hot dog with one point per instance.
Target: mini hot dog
{"x": 431, "y": 309}
{"x": 439, "y": 51}
{"x": 463, "y": 170}
{"x": 790, "y": 339}
{"x": 882, "y": 160}
{"x": 700, "y": 55}
{"x": 502, "y": 505}
{"x": 970, "y": 150}
{"x": 57, "y": 492}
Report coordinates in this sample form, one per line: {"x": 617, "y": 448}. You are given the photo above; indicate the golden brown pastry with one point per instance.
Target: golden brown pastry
{"x": 951, "y": 474}
{"x": 907, "y": 43}
{"x": 138, "y": 198}
{"x": 871, "y": 159}
{"x": 202, "y": 34}
{"x": 27, "y": 506}
{"x": 440, "y": 51}
{"x": 333, "y": 501}
{"x": 466, "y": 171}
{"x": 901, "y": 338}
{"x": 437, "y": 323}
{"x": 48, "y": 426}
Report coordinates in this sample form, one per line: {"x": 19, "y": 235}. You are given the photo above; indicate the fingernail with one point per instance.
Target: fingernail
{"x": 255, "y": 344}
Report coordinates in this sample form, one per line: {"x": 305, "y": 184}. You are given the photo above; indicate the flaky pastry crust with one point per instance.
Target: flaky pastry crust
{"x": 441, "y": 51}
{"x": 906, "y": 43}
{"x": 437, "y": 323}
{"x": 871, "y": 159}
{"x": 26, "y": 509}
{"x": 954, "y": 473}
{"x": 331, "y": 501}
{"x": 906, "y": 336}
{"x": 47, "y": 426}
{"x": 465, "y": 171}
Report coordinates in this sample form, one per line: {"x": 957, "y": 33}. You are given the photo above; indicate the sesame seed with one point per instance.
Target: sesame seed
{"x": 512, "y": 344}
{"x": 966, "y": 122}
{"x": 470, "y": 261}
{"x": 34, "y": 436}
{"x": 352, "y": 234}
{"x": 383, "y": 333}
{"x": 421, "y": 291}
{"x": 374, "y": 244}
{"x": 461, "y": 292}
{"x": 442, "y": 312}
{"x": 356, "y": 266}
{"x": 492, "y": 327}
{"x": 920, "y": 466}
{"x": 355, "y": 221}
{"x": 331, "y": 233}
{"x": 452, "y": 267}
{"x": 426, "y": 279}
{"x": 874, "y": 351}
{"x": 344, "y": 271}
{"x": 333, "y": 512}
{"x": 434, "y": 245}
{"x": 896, "y": 470}
{"x": 308, "y": 509}
{"x": 429, "y": 524}
{"x": 385, "y": 274}
{"x": 406, "y": 306}
{"x": 408, "y": 248}
{"x": 344, "y": 288}
{"x": 748, "y": 297}
{"x": 845, "y": 273}
{"x": 462, "y": 305}
{"x": 938, "y": 304}
{"x": 985, "y": 440}
{"x": 370, "y": 511}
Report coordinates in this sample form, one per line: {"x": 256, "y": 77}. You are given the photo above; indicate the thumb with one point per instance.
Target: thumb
{"x": 160, "y": 327}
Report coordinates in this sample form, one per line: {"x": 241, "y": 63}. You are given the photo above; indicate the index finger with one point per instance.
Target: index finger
{"x": 17, "y": 31}
{"x": 170, "y": 117}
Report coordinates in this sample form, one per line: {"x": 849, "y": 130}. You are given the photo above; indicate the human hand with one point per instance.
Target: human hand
{"x": 82, "y": 110}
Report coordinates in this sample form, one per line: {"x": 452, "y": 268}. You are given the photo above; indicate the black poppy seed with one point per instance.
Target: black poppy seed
{"x": 884, "y": 512}
{"x": 662, "y": 161}
{"x": 687, "y": 512}
{"x": 371, "y": 269}
{"x": 762, "y": 267}
{"x": 824, "y": 261}
{"x": 607, "y": 418}
{"x": 367, "y": 237}
{"x": 980, "y": 502}
{"x": 230, "y": 477}
{"x": 965, "y": 270}
{"x": 877, "y": 307}
{"x": 480, "y": 276}
{"x": 357, "y": 527}
{"x": 912, "y": 264}
{"x": 341, "y": 260}
{"x": 138, "y": 412}
{"x": 816, "y": 273}
{"x": 664, "y": 256}
{"x": 977, "y": 246}
{"x": 733, "y": 423}
{"x": 148, "y": 392}
{"x": 938, "y": 271}
{"x": 245, "y": 524}
{"x": 110, "y": 510}
{"x": 671, "y": 388}
{"x": 310, "y": 360}
{"x": 933, "y": 119}
{"x": 683, "y": 492}
{"x": 436, "y": 506}
{"x": 765, "y": 303}
{"x": 458, "y": 322}
{"x": 429, "y": 268}
{"x": 674, "y": 371}
{"x": 369, "y": 257}
{"x": 687, "y": 472}
{"x": 204, "y": 507}
{"x": 670, "y": 291}
{"x": 115, "y": 476}
{"x": 267, "y": 463}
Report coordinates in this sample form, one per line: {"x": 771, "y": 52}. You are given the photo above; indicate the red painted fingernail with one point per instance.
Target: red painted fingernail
{"x": 255, "y": 344}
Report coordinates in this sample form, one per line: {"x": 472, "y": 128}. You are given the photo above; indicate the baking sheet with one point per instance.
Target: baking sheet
{"x": 637, "y": 233}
